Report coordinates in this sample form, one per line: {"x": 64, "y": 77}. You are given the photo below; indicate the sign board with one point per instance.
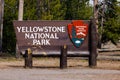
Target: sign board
{"x": 50, "y": 35}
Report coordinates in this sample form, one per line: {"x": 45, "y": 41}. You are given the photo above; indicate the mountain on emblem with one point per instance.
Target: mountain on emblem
{"x": 77, "y": 31}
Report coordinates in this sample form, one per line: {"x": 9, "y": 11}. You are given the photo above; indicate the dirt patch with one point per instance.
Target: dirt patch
{"x": 50, "y": 62}
{"x": 11, "y": 62}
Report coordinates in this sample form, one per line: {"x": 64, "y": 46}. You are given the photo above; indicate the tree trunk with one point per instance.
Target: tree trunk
{"x": 20, "y": 18}
{"x": 95, "y": 2}
{"x": 1, "y": 22}
{"x": 96, "y": 13}
{"x": 38, "y": 9}
{"x": 20, "y": 14}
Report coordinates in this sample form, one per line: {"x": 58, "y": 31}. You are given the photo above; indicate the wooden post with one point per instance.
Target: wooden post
{"x": 28, "y": 58}
{"x": 93, "y": 39}
{"x": 63, "y": 57}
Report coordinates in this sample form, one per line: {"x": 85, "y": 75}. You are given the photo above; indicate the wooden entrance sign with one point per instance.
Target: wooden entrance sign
{"x": 76, "y": 37}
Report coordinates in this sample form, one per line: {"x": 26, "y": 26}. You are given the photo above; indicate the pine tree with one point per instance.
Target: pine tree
{"x": 78, "y": 9}
{"x": 30, "y": 10}
{"x": 73, "y": 32}
{"x": 57, "y": 9}
{"x": 10, "y": 14}
{"x": 111, "y": 24}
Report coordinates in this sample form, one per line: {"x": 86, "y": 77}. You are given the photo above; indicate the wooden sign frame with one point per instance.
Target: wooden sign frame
{"x": 54, "y": 37}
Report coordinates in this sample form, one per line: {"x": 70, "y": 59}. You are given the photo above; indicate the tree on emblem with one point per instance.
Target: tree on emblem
{"x": 73, "y": 32}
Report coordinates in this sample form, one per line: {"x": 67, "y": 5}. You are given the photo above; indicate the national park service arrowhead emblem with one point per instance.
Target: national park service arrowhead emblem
{"x": 77, "y": 31}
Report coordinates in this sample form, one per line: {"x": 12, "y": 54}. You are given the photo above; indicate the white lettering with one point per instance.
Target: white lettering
{"x": 41, "y": 42}
{"x": 41, "y": 36}
{"x": 18, "y": 28}
{"x": 27, "y": 36}
{"x": 41, "y": 29}
{"x": 24, "y": 29}
{"x": 81, "y": 26}
{"x": 56, "y": 36}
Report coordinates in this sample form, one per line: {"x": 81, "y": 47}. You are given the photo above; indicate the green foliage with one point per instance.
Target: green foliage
{"x": 111, "y": 31}
{"x": 57, "y": 10}
{"x": 52, "y": 10}
{"x": 111, "y": 21}
{"x": 30, "y": 9}
{"x": 78, "y": 9}
{"x": 10, "y": 14}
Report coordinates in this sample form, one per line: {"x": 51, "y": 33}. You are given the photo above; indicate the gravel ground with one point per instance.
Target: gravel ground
{"x": 108, "y": 68}
{"x": 57, "y": 74}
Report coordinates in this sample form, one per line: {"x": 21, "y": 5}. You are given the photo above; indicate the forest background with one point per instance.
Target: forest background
{"x": 108, "y": 17}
